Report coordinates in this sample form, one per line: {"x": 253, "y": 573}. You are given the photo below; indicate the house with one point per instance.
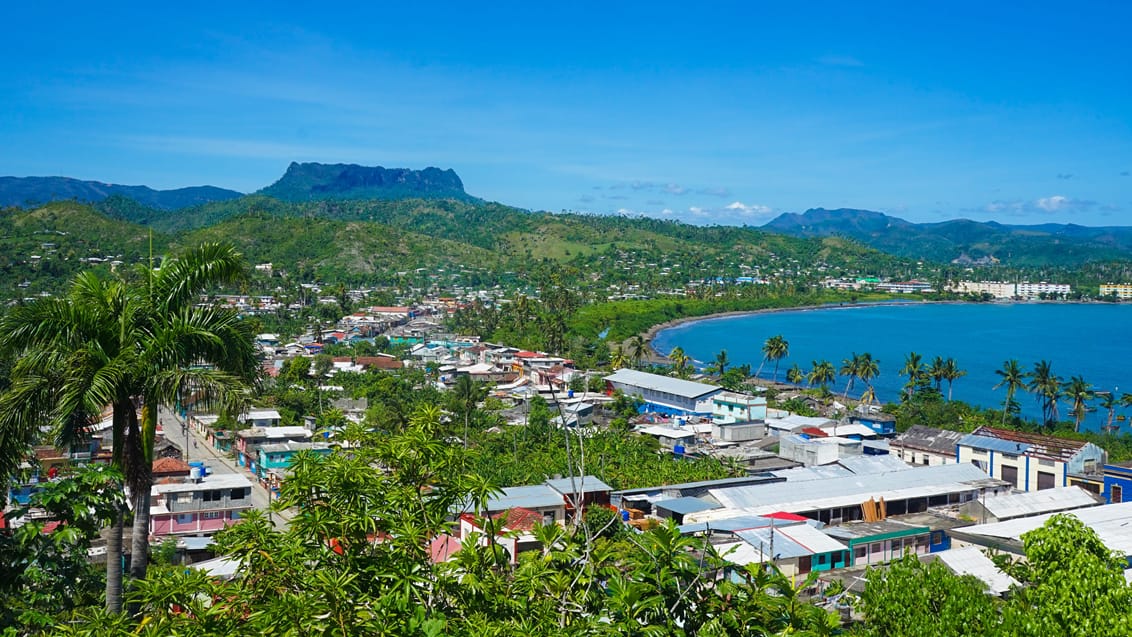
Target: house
{"x": 1019, "y": 505}
{"x": 513, "y": 530}
{"x": 881, "y": 423}
{"x": 729, "y": 407}
{"x": 792, "y": 423}
{"x": 1117, "y": 479}
{"x": 169, "y": 468}
{"x": 260, "y": 418}
{"x": 249, "y": 440}
{"x": 278, "y": 455}
{"x": 664, "y": 395}
{"x": 880, "y": 542}
{"x": 539, "y": 498}
{"x": 1109, "y": 521}
{"x": 927, "y": 446}
{"x": 574, "y": 414}
{"x": 670, "y": 437}
{"x": 795, "y": 546}
{"x": 738, "y": 431}
{"x": 185, "y": 507}
{"x": 1027, "y": 461}
{"x": 814, "y": 450}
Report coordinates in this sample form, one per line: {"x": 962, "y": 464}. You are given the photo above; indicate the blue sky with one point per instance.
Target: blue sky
{"x": 727, "y": 114}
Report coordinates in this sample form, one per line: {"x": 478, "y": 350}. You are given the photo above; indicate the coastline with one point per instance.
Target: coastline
{"x": 651, "y": 333}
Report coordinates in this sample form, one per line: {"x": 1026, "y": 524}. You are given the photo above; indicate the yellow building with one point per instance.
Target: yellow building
{"x": 1120, "y": 290}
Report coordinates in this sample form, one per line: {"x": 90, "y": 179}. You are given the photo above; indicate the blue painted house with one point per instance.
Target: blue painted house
{"x": 1117, "y": 482}
{"x": 279, "y": 455}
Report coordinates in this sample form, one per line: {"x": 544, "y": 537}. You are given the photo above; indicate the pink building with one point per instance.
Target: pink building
{"x": 184, "y": 507}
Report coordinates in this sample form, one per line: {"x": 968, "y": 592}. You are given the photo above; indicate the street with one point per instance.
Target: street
{"x": 197, "y": 449}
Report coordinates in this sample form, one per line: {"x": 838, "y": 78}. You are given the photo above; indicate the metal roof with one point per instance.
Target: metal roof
{"x": 1062, "y": 449}
{"x": 800, "y": 540}
{"x": 682, "y": 506}
{"x": 581, "y": 484}
{"x": 1110, "y": 522}
{"x": 970, "y": 560}
{"x": 994, "y": 444}
{"x": 666, "y": 432}
{"x": 666, "y": 384}
{"x": 214, "y": 481}
{"x": 861, "y": 530}
{"x": 867, "y": 465}
{"x": 529, "y": 497}
{"x": 803, "y": 474}
{"x": 1006, "y": 507}
{"x": 811, "y": 495}
{"x": 941, "y": 441}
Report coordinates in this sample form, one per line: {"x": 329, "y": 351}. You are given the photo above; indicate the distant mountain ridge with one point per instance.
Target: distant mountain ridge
{"x": 22, "y": 191}
{"x": 962, "y": 239}
{"x": 314, "y": 181}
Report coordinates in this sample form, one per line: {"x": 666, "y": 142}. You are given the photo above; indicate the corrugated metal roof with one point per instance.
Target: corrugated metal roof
{"x": 810, "y": 495}
{"x": 804, "y": 474}
{"x": 529, "y": 497}
{"x": 667, "y": 432}
{"x": 1006, "y": 507}
{"x": 682, "y": 506}
{"x": 970, "y": 560}
{"x": 1048, "y": 446}
{"x": 214, "y": 481}
{"x": 1110, "y": 521}
{"x": 581, "y": 484}
{"x": 941, "y": 441}
{"x": 994, "y": 444}
{"x": 666, "y": 384}
{"x": 868, "y": 465}
{"x": 798, "y": 540}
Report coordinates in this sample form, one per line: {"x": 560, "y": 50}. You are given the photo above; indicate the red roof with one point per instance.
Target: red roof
{"x": 443, "y": 547}
{"x": 520, "y": 519}
{"x": 782, "y": 515}
{"x": 815, "y": 432}
{"x": 526, "y": 354}
{"x": 380, "y": 362}
{"x": 170, "y": 466}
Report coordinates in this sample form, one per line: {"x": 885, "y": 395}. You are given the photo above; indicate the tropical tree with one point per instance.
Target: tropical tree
{"x": 1109, "y": 401}
{"x": 679, "y": 360}
{"x": 128, "y": 343}
{"x": 952, "y": 373}
{"x": 796, "y": 375}
{"x": 1046, "y": 386}
{"x": 821, "y": 373}
{"x": 1013, "y": 379}
{"x": 774, "y": 349}
{"x": 850, "y": 368}
{"x": 937, "y": 371}
{"x": 721, "y": 363}
{"x": 1081, "y": 393}
{"x": 466, "y": 394}
{"x": 868, "y": 368}
{"x": 914, "y": 369}
{"x": 618, "y": 358}
{"x": 638, "y": 348}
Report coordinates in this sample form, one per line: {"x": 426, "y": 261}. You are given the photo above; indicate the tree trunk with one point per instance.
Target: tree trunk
{"x": 114, "y": 565}
{"x": 139, "y": 548}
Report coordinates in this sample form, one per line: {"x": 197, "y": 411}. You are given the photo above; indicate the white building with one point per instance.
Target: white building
{"x": 1029, "y": 462}
{"x": 1027, "y": 290}
{"x": 663, "y": 394}
{"x": 729, "y": 407}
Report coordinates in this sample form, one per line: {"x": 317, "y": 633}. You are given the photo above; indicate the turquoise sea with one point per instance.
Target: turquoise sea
{"x": 1091, "y": 340}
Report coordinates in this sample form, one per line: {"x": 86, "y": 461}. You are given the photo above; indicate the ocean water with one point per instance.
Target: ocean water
{"x": 1090, "y": 340}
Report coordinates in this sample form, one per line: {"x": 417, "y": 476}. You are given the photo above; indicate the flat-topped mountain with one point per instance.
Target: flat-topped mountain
{"x": 962, "y": 239}
{"x": 313, "y": 181}
{"x": 29, "y": 191}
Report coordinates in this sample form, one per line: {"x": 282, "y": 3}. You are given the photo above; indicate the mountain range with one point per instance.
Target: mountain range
{"x": 30, "y": 191}
{"x": 962, "y": 240}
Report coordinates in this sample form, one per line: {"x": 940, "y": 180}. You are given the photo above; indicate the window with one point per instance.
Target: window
{"x": 924, "y": 459}
{"x": 937, "y": 537}
{"x": 185, "y": 518}
{"x": 1117, "y": 494}
{"x": 1009, "y": 456}
{"x": 211, "y": 496}
{"x": 212, "y": 515}
{"x": 184, "y": 498}
{"x": 1042, "y": 462}
{"x": 238, "y": 494}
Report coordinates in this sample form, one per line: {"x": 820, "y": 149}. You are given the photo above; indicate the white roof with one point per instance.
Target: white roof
{"x": 848, "y": 429}
{"x": 666, "y": 384}
{"x": 851, "y": 490}
{"x": 222, "y": 567}
{"x": 214, "y": 481}
{"x": 740, "y": 553}
{"x": 970, "y": 560}
{"x": 793, "y": 422}
{"x": 667, "y": 432}
{"x": 1006, "y": 507}
{"x": 260, "y": 414}
{"x": 1110, "y": 522}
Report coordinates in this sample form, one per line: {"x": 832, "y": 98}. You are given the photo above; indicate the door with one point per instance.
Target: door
{"x": 1046, "y": 480}
{"x": 1010, "y": 474}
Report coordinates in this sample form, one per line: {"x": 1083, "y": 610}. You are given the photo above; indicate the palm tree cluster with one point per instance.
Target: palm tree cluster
{"x": 924, "y": 378}
{"x": 130, "y": 344}
{"x": 1049, "y": 388}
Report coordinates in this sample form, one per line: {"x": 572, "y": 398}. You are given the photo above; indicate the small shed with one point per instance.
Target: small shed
{"x": 677, "y": 508}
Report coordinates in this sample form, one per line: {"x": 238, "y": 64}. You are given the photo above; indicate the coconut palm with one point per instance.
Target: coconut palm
{"x": 821, "y": 374}
{"x": 937, "y": 371}
{"x": 1013, "y": 378}
{"x": 1081, "y": 393}
{"x": 637, "y": 350}
{"x": 914, "y": 369}
{"x": 1109, "y": 401}
{"x": 721, "y": 362}
{"x": 130, "y": 344}
{"x": 466, "y": 394}
{"x": 774, "y": 349}
{"x": 795, "y": 375}
{"x": 850, "y": 368}
{"x": 1046, "y": 386}
{"x": 679, "y": 360}
{"x": 868, "y": 368}
{"x": 952, "y": 373}
{"x": 617, "y": 359}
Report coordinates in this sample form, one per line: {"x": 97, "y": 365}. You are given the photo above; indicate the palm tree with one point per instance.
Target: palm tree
{"x": 1109, "y": 402}
{"x": 637, "y": 350}
{"x": 774, "y": 349}
{"x": 679, "y": 360}
{"x": 850, "y": 368}
{"x": 795, "y": 375}
{"x": 937, "y": 371}
{"x": 868, "y": 368}
{"x": 1126, "y": 400}
{"x": 129, "y": 344}
{"x": 1046, "y": 386}
{"x": 721, "y": 362}
{"x": 1013, "y": 378}
{"x": 821, "y": 373}
{"x": 952, "y": 373}
{"x": 617, "y": 359}
{"x": 914, "y": 370}
{"x": 1080, "y": 392}
{"x": 466, "y": 393}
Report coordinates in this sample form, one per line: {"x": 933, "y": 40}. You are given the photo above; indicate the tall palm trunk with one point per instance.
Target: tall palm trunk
{"x": 141, "y": 482}
{"x": 114, "y": 564}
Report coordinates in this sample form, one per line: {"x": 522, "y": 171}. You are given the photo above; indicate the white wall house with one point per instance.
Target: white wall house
{"x": 1029, "y": 462}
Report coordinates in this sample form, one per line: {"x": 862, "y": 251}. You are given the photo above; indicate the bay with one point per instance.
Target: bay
{"x": 1091, "y": 340}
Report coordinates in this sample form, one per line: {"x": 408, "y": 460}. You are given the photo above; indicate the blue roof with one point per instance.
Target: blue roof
{"x": 993, "y": 444}
{"x": 682, "y": 506}
{"x": 529, "y": 497}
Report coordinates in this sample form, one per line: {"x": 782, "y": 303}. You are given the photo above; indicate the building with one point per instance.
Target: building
{"x": 729, "y": 407}
{"x": 817, "y": 450}
{"x": 1117, "y": 479}
{"x": 795, "y": 545}
{"x": 905, "y": 287}
{"x": 880, "y": 542}
{"x": 995, "y": 289}
{"x": 1027, "y": 290}
{"x": 279, "y": 455}
{"x": 926, "y": 446}
{"x": 187, "y": 507}
{"x": 1109, "y": 521}
{"x": 249, "y": 440}
{"x": 738, "y": 431}
{"x": 1019, "y": 505}
{"x": 1122, "y": 291}
{"x": 670, "y": 437}
{"x": 1028, "y": 462}
{"x": 663, "y": 394}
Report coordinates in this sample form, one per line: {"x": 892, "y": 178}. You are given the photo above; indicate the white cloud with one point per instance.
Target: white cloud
{"x": 1052, "y": 204}
{"x": 753, "y": 209}
{"x": 675, "y": 189}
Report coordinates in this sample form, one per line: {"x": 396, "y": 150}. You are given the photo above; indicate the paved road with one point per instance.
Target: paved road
{"x": 199, "y": 449}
